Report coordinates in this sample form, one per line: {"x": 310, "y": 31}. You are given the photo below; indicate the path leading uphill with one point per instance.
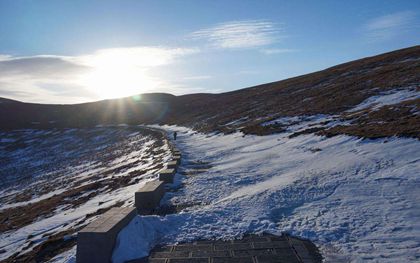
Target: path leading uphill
{"x": 266, "y": 248}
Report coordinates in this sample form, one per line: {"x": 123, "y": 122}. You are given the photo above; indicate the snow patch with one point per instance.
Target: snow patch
{"x": 387, "y": 98}
{"x": 356, "y": 199}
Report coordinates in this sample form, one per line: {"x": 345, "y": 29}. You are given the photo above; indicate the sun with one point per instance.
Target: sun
{"x": 114, "y": 74}
{"x": 113, "y": 81}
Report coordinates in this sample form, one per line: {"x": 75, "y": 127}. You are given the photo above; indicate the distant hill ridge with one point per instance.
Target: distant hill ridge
{"x": 332, "y": 91}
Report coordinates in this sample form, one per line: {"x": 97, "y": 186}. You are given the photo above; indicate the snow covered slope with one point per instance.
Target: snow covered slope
{"x": 357, "y": 199}
{"x": 54, "y": 182}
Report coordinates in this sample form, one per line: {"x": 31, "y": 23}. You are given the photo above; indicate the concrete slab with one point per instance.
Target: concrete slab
{"x": 96, "y": 241}
{"x": 148, "y": 197}
{"x": 167, "y": 175}
{"x": 251, "y": 248}
{"x": 172, "y": 165}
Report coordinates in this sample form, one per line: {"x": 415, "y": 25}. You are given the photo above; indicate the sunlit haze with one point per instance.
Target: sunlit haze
{"x": 123, "y": 72}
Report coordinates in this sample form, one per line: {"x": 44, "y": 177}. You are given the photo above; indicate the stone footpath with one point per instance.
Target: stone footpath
{"x": 96, "y": 241}
{"x": 249, "y": 249}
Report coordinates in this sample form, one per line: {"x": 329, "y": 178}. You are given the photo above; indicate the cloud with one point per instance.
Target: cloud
{"x": 13, "y": 93}
{"x": 105, "y": 73}
{"x": 37, "y": 67}
{"x": 202, "y": 77}
{"x": 271, "y": 51}
{"x": 135, "y": 56}
{"x": 240, "y": 34}
{"x": 389, "y": 26}
{"x": 4, "y": 57}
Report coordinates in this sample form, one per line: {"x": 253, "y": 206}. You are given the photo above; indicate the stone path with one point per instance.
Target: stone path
{"x": 191, "y": 168}
{"x": 250, "y": 249}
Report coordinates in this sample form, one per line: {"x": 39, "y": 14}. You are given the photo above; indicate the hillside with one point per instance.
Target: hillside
{"x": 54, "y": 182}
{"x": 334, "y": 92}
{"x": 355, "y": 199}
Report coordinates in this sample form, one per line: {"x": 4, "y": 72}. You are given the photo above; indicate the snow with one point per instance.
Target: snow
{"x": 302, "y": 122}
{"x": 68, "y": 256}
{"x": 49, "y": 163}
{"x": 147, "y": 228}
{"x": 358, "y": 200}
{"x": 388, "y": 98}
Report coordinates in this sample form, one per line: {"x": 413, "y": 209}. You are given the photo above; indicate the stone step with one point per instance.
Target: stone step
{"x": 148, "y": 197}
{"x": 96, "y": 241}
{"x": 167, "y": 175}
{"x": 172, "y": 165}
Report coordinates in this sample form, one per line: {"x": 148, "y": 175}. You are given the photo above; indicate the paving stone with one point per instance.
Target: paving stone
{"x": 232, "y": 260}
{"x": 189, "y": 260}
{"x": 163, "y": 249}
{"x": 284, "y": 251}
{"x": 252, "y": 252}
{"x": 277, "y": 238}
{"x": 303, "y": 253}
{"x": 192, "y": 247}
{"x": 247, "y": 239}
{"x": 157, "y": 260}
{"x": 276, "y": 259}
{"x": 313, "y": 251}
{"x": 207, "y": 253}
{"x": 232, "y": 246}
{"x": 272, "y": 244}
{"x": 200, "y": 242}
{"x": 173, "y": 254}
{"x": 294, "y": 241}
{"x": 250, "y": 249}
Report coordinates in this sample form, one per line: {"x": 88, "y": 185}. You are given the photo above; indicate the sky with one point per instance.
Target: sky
{"x": 79, "y": 51}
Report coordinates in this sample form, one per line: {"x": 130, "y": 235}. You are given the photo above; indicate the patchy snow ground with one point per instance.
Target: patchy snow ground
{"x": 303, "y": 122}
{"x": 357, "y": 199}
{"x": 388, "y": 98}
{"x": 45, "y": 164}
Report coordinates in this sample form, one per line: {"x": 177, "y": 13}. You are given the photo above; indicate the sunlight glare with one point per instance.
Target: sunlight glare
{"x": 119, "y": 73}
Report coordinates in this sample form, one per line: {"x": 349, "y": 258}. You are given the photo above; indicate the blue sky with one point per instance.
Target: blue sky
{"x": 77, "y": 51}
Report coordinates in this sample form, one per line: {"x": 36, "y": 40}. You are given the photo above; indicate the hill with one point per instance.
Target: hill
{"x": 387, "y": 85}
{"x": 356, "y": 199}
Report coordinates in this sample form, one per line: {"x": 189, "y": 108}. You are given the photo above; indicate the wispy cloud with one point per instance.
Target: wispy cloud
{"x": 240, "y": 34}
{"x": 135, "y": 56}
{"x": 272, "y": 51}
{"x": 105, "y": 73}
{"x": 4, "y": 57}
{"x": 389, "y": 26}
{"x": 201, "y": 77}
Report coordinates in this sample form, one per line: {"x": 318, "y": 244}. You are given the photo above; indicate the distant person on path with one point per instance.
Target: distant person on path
{"x": 175, "y": 136}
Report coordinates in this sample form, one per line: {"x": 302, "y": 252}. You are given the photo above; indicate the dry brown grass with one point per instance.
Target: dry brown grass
{"x": 330, "y": 91}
